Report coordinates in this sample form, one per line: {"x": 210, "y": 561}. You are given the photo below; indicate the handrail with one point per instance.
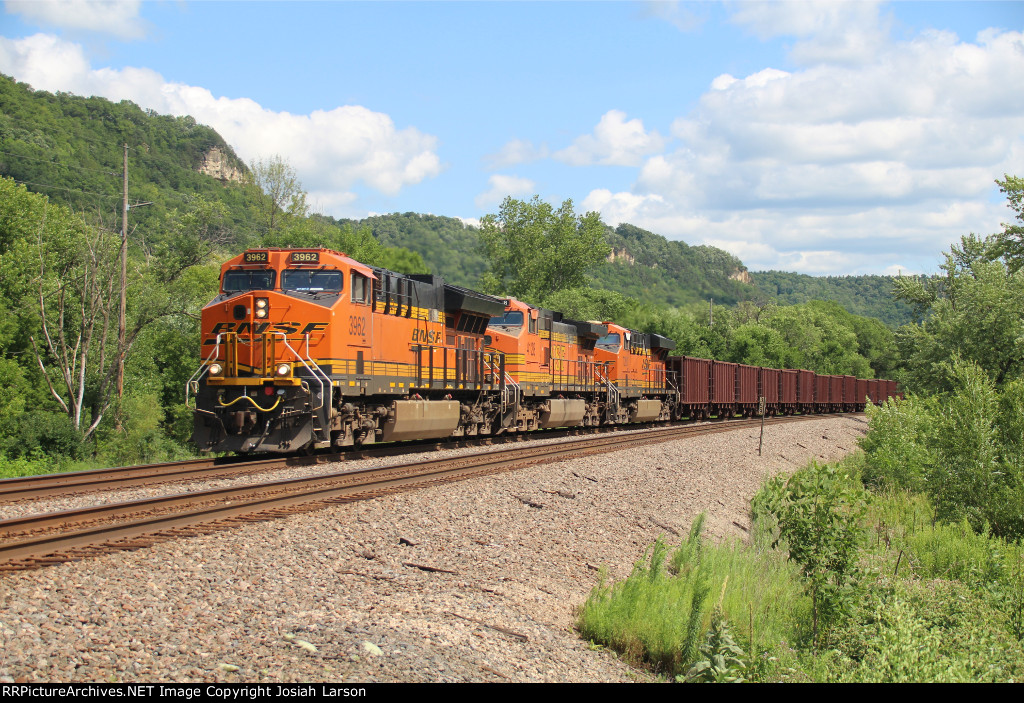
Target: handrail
{"x": 203, "y": 367}
{"x": 319, "y": 378}
{"x": 613, "y": 391}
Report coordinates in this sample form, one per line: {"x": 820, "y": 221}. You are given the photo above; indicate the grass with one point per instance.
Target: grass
{"x": 935, "y": 602}
{"x": 659, "y": 615}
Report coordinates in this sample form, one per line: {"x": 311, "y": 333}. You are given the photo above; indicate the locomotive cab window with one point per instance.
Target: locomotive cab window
{"x": 511, "y": 318}
{"x": 360, "y": 288}
{"x": 312, "y": 281}
{"x": 241, "y": 281}
{"x": 610, "y": 342}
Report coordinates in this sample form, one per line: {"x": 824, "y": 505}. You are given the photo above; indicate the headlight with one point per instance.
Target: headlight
{"x": 216, "y": 369}
{"x": 261, "y": 312}
{"x": 262, "y": 307}
{"x": 261, "y": 302}
{"x": 284, "y": 369}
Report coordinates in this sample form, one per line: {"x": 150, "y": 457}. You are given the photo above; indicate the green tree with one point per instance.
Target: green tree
{"x": 276, "y": 191}
{"x": 819, "y": 510}
{"x": 534, "y": 250}
{"x": 976, "y": 311}
{"x": 1009, "y": 244}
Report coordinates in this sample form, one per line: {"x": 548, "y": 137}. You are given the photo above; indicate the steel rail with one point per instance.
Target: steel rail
{"x": 269, "y": 498}
{"x": 75, "y": 482}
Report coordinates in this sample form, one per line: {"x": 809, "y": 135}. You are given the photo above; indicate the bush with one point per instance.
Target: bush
{"x": 923, "y": 631}
{"x": 964, "y": 448}
{"x": 818, "y": 510}
{"x": 659, "y": 615}
{"x": 897, "y": 445}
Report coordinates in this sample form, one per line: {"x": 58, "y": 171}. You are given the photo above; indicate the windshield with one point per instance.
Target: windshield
{"x": 511, "y": 318}
{"x": 238, "y": 281}
{"x": 609, "y": 342}
{"x": 311, "y": 281}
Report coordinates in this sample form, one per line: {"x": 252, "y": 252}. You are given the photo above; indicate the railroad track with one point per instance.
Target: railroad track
{"x": 38, "y": 540}
{"x": 13, "y": 490}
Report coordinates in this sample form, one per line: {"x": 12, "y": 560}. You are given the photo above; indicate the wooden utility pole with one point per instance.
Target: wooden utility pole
{"x": 711, "y": 311}
{"x": 121, "y": 324}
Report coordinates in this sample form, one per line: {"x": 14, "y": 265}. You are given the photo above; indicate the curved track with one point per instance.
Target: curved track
{"x": 38, "y": 540}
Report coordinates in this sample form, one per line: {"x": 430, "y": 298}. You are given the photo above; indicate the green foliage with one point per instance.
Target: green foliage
{"x": 924, "y": 631}
{"x": 70, "y": 148}
{"x": 976, "y": 311}
{"x": 954, "y": 613}
{"x": 276, "y": 192}
{"x": 534, "y": 250}
{"x": 591, "y": 304}
{"x": 868, "y": 296}
{"x": 963, "y": 448}
{"x": 897, "y": 443}
{"x": 659, "y": 616}
{"x": 720, "y": 660}
{"x": 818, "y": 510}
{"x": 446, "y": 245}
{"x": 1009, "y": 244}
{"x": 654, "y": 270}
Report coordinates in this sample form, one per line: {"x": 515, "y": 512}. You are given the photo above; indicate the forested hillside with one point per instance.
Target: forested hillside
{"x": 871, "y": 296}
{"x": 653, "y": 269}
{"x": 71, "y": 149}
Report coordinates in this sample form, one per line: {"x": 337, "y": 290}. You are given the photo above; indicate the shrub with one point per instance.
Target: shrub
{"x": 819, "y": 510}
{"x": 658, "y": 616}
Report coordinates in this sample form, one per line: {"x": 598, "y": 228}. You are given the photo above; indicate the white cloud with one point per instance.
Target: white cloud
{"x": 119, "y": 18}
{"x": 682, "y": 17}
{"x": 850, "y": 32}
{"x": 331, "y": 150}
{"x": 842, "y": 169}
{"x": 501, "y": 187}
{"x": 517, "y": 151}
{"x": 615, "y": 142}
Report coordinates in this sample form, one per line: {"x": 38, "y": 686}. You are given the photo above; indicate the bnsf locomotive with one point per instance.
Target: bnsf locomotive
{"x": 308, "y": 348}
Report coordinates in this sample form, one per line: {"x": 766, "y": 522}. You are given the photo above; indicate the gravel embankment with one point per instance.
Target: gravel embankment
{"x": 261, "y": 597}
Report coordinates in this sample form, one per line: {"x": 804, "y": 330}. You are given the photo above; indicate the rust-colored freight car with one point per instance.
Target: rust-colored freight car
{"x": 822, "y": 395}
{"x": 805, "y": 390}
{"x": 747, "y": 390}
{"x": 835, "y": 393}
{"x": 787, "y": 391}
{"x": 874, "y": 393}
{"x": 770, "y": 382}
{"x": 890, "y": 390}
{"x": 723, "y": 388}
{"x": 849, "y": 393}
{"x": 861, "y": 394}
{"x": 694, "y": 382}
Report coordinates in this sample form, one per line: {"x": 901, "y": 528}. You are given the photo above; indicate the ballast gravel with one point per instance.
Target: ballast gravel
{"x": 471, "y": 581}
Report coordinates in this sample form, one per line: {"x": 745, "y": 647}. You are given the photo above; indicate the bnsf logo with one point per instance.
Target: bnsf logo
{"x": 427, "y": 336}
{"x": 261, "y": 327}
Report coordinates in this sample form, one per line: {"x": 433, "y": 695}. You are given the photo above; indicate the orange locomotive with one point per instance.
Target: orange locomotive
{"x": 633, "y": 370}
{"x": 308, "y": 348}
{"x": 550, "y": 366}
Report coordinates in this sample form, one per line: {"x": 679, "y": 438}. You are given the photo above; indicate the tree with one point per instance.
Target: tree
{"x": 60, "y": 275}
{"x": 534, "y": 250}
{"x": 277, "y": 191}
{"x": 976, "y": 311}
{"x": 1009, "y": 244}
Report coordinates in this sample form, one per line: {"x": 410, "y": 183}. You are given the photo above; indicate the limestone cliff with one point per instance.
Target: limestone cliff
{"x": 219, "y": 165}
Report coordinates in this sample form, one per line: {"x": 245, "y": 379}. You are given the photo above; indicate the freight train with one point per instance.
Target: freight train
{"x": 308, "y": 348}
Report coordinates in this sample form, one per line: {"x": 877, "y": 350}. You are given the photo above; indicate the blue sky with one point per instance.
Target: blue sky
{"x": 825, "y": 138}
